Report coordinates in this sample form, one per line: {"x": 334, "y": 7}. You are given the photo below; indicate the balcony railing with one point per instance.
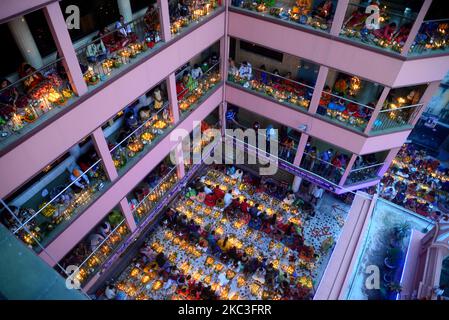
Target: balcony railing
{"x": 322, "y": 168}
{"x": 36, "y": 97}
{"x": 151, "y": 199}
{"x": 192, "y": 93}
{"x": 312, "y": 16}
{"x": 116, "y": 50}
{"x": 280, "y": 89}
{"x": 363, "y": 174}
{"x": 190, "y": 15}
{"x": 389, "y": 34}
{"x": 350, "y": 113}
{"x": 94, "y": 260}
{"x": 142, "y": 139}
{"x": 432, "y": 38}
{"x": 41, "y": 223}
{"x": 396, "y": 118}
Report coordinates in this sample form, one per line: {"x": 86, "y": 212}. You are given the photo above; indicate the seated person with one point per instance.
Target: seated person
{"x": 96, "y": 51}
{"x": 324, "y": 9}
{"x": 33, "y": 78}
{"x": 387, "y": 32}
{"x": 245, "y": 70}
{"x": 125, "y": 32}
{"x": 75, "y": 174}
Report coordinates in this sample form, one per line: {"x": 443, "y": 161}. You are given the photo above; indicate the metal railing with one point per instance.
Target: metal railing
{"x": 432, "y": 37}
{"x": 138, "y": 141}
{"x": 94, "y": 260}
{"x": 322, "y": 168}
{"x": 396, "y": 117}
{"x": 196, "y": 13}
{"x": 313, "y": 17}
{"x": 109, "y": 52}
{"x": 345, "y": 111}
{"x": 277, "y": 87}
{"x": 151, "y": 199}
{"x": 63, "y": 206}
{"x": 190, "y": 96}
{"x": 363, "y": 174}
{"x": 31, "y": 97}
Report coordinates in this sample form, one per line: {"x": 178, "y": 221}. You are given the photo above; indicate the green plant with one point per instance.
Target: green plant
{"x": 393, "y": 255}
{"x": 115, "y": 218}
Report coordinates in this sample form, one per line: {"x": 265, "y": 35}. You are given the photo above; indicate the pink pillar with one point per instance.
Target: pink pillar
{"x": 377, "y": 109}
{"x": 319, "y": 86}
{"x": 415, "y": 28}
{"x": 126, "y": 210}
{"x": 164, "y": 19}
{"x": 390, "y": 156}
{"x": 58, "y": 28}
{"x": 339, "y": 17}
{"x": 101, "y": 146}
{"x": 224, "y": 56}
{"x": 300, "y": 150}
{"x": 223, "y": 107}
{"x": 347, "y": 170}
{"x": 173, "y": 97}
{"x": 425, "y": 99}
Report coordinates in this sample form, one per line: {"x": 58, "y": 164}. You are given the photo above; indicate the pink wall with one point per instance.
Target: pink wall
{"x": 375, "y": 66}
{"x": 411, "y": 261}
{"x": 98, "y": 210}
{"x": 318, "y": 128}
{"x": 53, "y": 140}
{"x": 331, "y": 285}
{"x": 11, "y": 8}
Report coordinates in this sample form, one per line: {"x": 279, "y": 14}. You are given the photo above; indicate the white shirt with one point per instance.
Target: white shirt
{"x": 207, "y": 190}
{"x": 246, "y": 71}
{"x": 124, "y": 30}
{"x": 196, "y": 73}
{"x": 227, "y": 199}
{"x": 318, "y": 192}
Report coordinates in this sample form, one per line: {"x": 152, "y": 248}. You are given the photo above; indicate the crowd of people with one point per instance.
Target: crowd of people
{"x": 417, "y": 181}
{"x": 235, "y": 208}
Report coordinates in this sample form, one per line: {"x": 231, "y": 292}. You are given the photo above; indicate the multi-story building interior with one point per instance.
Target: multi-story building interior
{"x": 97, "y": 95}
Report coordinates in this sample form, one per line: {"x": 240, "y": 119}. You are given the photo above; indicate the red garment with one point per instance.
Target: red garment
{"x": 210, "y": 200}
{"x": 180, "y": 90}
{"x": 244, "y": 206}
{"x": 219, "y": 194}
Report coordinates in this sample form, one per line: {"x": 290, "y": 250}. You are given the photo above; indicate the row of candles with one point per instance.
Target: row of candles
{"x": 37, "y": 107}
{"x": 206, "y": 83}
{"x": 197, "y": 13}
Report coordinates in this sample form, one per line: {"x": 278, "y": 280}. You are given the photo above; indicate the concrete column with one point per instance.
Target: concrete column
{"x": 173, "y": 97}
{"x": 222, "y": 113}
{"x": 101, "y": 146}
{"x": 319, "y": 86}
{"x": 339, "y": 17}
{"x": 224, "y": 56}
{"x": 164, "y": 19}
{"x": 61, "y": 36}
{"x": 296, "y": 183}
{"x": 25, "y": 42}
{"x": 75, "y": 151}
{"x": 415, "y": 27}
{"x": 377, "y": 109}
{"x": 347, "y": 170}
{"x": 126, "y": 210}
{"x": 300, "y": 150}
{"x": 124, "y": 7}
